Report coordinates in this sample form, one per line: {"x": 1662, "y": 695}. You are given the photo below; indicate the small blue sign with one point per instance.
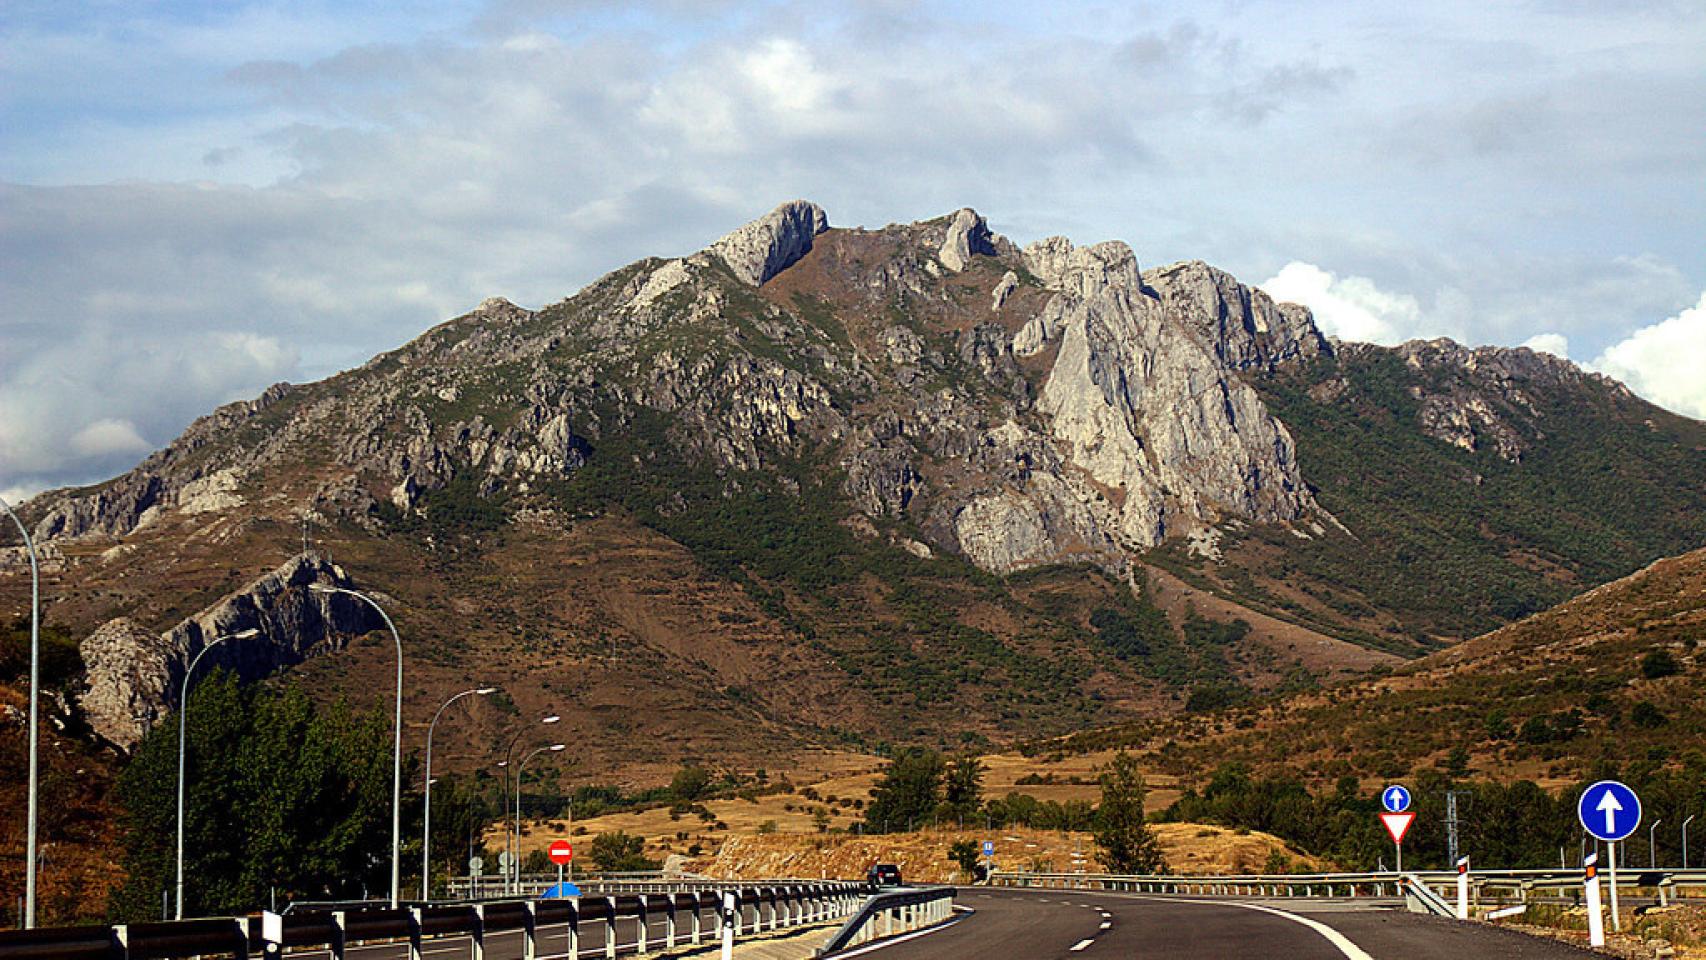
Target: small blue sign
{"x": 1609, "y": 810}
{"x": 1396, "y": 798}
{"x": 989, "y": 848}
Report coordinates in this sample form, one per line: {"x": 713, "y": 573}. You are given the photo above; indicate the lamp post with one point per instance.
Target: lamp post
{"x": 35, "y": 682}
{"x": 426, "y": 809}
{"x": 512, "y": 843}
{"x": 516, "y": 861}
{"x": 1685, "y": 824}
{"x": 1652, "y": 851}
{"x": 183, "y": 713}
{"x": 396, "y": 737}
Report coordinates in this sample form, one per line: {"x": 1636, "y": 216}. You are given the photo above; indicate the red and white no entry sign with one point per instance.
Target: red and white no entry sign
{"x": 560, "y": 852}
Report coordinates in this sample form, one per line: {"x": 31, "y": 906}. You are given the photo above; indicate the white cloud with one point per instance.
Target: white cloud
{"x": 1350, "y": 308}
{"x": 1556, "y": 344}
{"x": 17, "y": 494}
{"x": 107, "y": 437}
{"x": 1665, "y": 363}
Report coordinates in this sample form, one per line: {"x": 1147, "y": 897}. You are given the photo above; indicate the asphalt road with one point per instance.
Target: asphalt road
{"x": 1066, "y": 925}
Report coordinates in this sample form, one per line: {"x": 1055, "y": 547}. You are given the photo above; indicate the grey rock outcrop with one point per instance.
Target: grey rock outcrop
{"x": 1003, "y": 290}
{"x": 968, "y": 235}
{"x": 772, "y": 243}
{"x": 1246, "y": 328}
{"x": 134, "y": 676}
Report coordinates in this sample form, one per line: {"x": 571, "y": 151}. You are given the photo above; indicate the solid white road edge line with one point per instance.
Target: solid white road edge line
{"x": 1334, "y": 937}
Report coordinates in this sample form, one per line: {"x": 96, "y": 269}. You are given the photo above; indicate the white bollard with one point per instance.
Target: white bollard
{"x": 1596, "y": 921}
{"x": 729, "y": 908}
{"x": 1462, "y": 888}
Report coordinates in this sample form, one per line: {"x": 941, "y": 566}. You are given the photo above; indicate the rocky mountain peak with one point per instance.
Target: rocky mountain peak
{"x": 968, "y": 235}
{"x": 773, "y": 242}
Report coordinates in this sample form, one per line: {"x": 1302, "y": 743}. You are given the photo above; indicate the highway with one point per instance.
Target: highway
{"x": 1067, "y": 925}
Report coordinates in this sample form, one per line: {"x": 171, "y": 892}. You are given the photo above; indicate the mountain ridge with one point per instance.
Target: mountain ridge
{"x": 926, "y": 466}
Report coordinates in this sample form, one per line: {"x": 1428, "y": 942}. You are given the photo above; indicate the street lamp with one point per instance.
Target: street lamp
{"x": 512, "y": 843}
{"x": 1652, "y": 851}
{"x": 1685, "y": 824}
{"x": 396, "y": 736}
{"x": 426, "y": 810}
{"x": 183, "y": 712}
{"x": 35, "y": 682}
{"x": 515, "y": 863}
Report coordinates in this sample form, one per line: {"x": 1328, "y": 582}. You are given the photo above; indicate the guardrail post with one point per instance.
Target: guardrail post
{"x": 336, "y": 947}
{"x": 476, "y": 936}
{"x": 530, "y": 931}
{"x": 121, "y": 936}
{"x": 669, "y": 921}
{"x": 642, "y": 937}
{"x": 414, "y": 915}
{"x": 698, "y": 920}
{"x": 573, "y": 931}
{"x": 610, "y": 934}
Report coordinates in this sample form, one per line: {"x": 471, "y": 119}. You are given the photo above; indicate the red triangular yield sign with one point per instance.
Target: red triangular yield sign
{"x": 1397, "y": 824}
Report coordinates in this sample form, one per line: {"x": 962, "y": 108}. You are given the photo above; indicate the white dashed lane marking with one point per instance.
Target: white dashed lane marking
{"x": 1081, "y": 945}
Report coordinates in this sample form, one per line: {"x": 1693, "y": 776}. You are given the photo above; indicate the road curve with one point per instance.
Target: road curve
{"x": 1069, "y": 924}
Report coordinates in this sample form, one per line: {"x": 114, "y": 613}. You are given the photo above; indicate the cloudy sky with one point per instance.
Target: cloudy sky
{"x": 198, "y": 199}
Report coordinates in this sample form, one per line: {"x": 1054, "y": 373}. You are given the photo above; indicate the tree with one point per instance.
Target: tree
{"x": 1658, "y": 664}
{"x": 279, "y": 795}
{"x": 964, "y": 853}
{"x": 908, "y": 793}
{"x": 619, "y": 852}
{"x": 1128, "y": 844}
{"x": 962, "y": 789}
{"x": 690, "y": 783}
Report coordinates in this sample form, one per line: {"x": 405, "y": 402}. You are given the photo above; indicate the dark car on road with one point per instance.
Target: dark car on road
{"x": 883, "y": 875}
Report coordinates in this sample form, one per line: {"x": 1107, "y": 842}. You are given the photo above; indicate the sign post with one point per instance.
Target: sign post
{"x": 562, "y": 853}
{"x": 988, "y": 857}
{"x": 1396, "y": 799}
{"x": 1462, "y": 888}
{"x": 1596, "y": 919}
{"x": 1398, "y": 824}
{"x": 1610, "y": 811}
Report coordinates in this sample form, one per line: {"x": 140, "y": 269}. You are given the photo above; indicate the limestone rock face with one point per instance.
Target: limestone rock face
{"x": 968, "y": 235}
{"x": 1147, "y": 407}
{"x": 1246, "y": 328}
{"x": 128, "y": 671}
{"x": 1479, "y": 399}
{"x": 135, "y": 676}
{"x": 767, "y": 246}
{"x": 1003, "y": 290}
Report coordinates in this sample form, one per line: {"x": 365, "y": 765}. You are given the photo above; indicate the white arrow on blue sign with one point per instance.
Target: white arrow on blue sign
{"x": 1395, "y": 799}
{"x": 989, "y": 848}
{"x": 1609, "y": 810}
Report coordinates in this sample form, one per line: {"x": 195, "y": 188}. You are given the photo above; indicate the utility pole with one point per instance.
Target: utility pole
{"x": 1451, "y": 826}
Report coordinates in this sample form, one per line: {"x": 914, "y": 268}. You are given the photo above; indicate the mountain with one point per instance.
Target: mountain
{"x": 829, "y": 487}
{"x": 1615, "y": 675}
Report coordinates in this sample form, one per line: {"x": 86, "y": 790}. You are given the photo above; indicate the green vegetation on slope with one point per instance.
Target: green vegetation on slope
{"x": 1457, "y": 542}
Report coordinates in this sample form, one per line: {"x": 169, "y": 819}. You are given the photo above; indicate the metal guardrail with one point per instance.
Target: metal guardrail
{"x": 774, "y": 907}
{"x": 1517, "y": 885}
{"x": 895, "y": 913}
{"x": 533, "y": 885}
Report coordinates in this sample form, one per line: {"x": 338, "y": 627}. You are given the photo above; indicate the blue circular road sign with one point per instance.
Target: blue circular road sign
{"x": 1395, "y": 798}
{"x": 1609, "y": 810}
